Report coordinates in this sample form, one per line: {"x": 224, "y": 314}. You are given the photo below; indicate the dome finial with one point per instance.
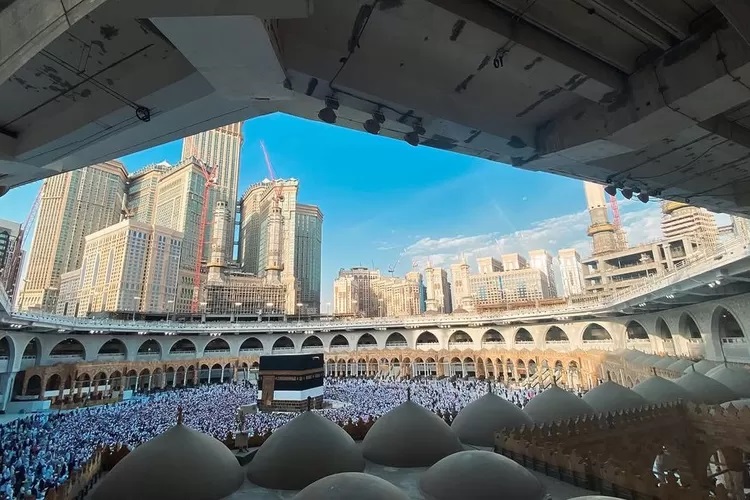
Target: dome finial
{"x": 408, "y": 393}
{"x": 489, "y": 386}
{"x": 609, "y": 376}
{"x": 179, "y": 415}
{"x": 654, "y": 370}
{"x": 693, "y": 366}
{"x": 554, "y": 380}
{"x": 309, "y": 403}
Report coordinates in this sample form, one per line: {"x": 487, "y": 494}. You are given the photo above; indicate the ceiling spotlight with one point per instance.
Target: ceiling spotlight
{"x": 373, "y": 124}
{"x": 610, "y": 189}
{"x": 143, "y": 113}
{"x": 627, "y": 193}
{"x": 643, "y": 196}
{"x": 412, "y": 138}
{"x": 328, "y": 114}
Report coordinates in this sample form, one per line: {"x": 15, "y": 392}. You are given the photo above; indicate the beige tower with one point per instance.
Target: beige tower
{"x": 542, "y": 260}
{"x": 274, "y": 266}
{"x": 682, "y": 220}
{"x": 602, "y": 232}
{"x": 217, "y": 261}
{"x": 571, "y": 271}
{"x": 221, "y": 147}
{"x": 142, "y": 188}
{"x": 461, "y": 290}
{"x": 72, "y": 206}
{"x": 437, "y": 290}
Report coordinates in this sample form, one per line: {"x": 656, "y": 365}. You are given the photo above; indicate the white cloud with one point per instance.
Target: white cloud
{"x": 641, "y": 223}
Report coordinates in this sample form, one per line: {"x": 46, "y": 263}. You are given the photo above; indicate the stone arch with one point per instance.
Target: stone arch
{"x": 183, "y": 346}
{"x": 217, "y": 345}
{"x": 113, "y": 346}
{"x": 556, "y": 334}
{"x": 492, "y": 337}
{"x": 395, "y": 339}
{"x": 33, "y": 348}
{"x": 312, "y": 342}
{"x": 460, "y": 337}
{"x": 635, "y": 331}
{"x": 69, "y": 347}
{"x": 34, "y": 386}
{"x": 149, "y": 347}
{"x": 366, "y": 340}
{"x": 687, "y": 327}
{"x": 8, "y": 349}
{"x": 339, "y": 341}
{"x": 427, "y": 338}
{"x": 53, "y": 383}
{"x": 100, "y": 379}
{"x": 115, "y": 380}
{"x": 523, "y": 336}
{"x": 662, "y": 330}
{"x": 531, "y": 367}
{"x": 725, "y": 324}
{"x": 251, "y": 344}
{"x": 595, "y": 332}
{"x": 283, "y": 343}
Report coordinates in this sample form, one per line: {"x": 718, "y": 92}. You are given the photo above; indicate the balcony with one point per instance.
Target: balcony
{"x": 111, "y": 356}
{"x": 337, "y": 348}
{"x": 149, "y": 356}
{"x": 183, "y": 355}
{"x": 216, "y": 352}
{"x": 283, "y": 349}
{"x": 397, "y": 345}
{"x": 253, "y": 350}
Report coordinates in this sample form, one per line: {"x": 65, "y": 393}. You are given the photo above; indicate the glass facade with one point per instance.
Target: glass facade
{"x": 308, "y": 244}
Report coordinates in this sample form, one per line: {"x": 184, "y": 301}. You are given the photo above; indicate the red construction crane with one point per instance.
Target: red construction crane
{"x": 210, "y": 176}
{"x": 615, "y": 212}
{"x": 12, "y": 268}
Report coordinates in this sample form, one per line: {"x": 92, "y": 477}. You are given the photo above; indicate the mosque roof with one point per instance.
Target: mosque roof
{"x": 665, "y": 362}
{"x": 702, "y": 366}
{"x": 737, "y": 379}
{"x": 556, "y": 404}
{"x": 349, "y": 485}
{"x": 477, "y": 423}
{"x": 658, "y": 390}
{"x": 480, "y": 475}
{"x": 179, "y": 463}
{"x": 737, "y": 403}
{"x": 302, "y": 451}
{"x": 611, "y": 397}
{"x": 409, "y": 436}
{"x": 705, "y": 390}
{"x": 680, "y": 365}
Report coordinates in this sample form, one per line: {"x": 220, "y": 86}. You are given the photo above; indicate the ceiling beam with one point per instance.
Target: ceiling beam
{"x": 737, "y": 13}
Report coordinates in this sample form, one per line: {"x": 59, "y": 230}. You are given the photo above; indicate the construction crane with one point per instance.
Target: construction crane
{"x": 278, "y": 193}
{"x": 615, "y": 212}
{"x": 210, "y": 177}
{"x": 12, "y": 268}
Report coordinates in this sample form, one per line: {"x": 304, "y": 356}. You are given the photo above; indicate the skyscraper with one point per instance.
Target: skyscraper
{"x": 72, "y": 206}
{"x": 437, "y": 290}
{"x": 354, "y": 293}
{"x": 10, "y": 261}
{"x": 282, "y": 237}
{"x": 221, "y": 147}
{"x": 571, "y": 271}
{"x": 142, "y": 188}
{"x": 460, "y": 288}
{"x": 308, "y": 245}
{"x": 542, "y": 260}
{"x": 602, "y": 232}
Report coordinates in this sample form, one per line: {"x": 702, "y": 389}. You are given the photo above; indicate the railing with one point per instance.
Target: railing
{"x": 693, "y": 265}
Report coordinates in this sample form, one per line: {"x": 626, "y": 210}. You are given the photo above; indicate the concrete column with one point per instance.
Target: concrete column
{"x": 6, "y": 385}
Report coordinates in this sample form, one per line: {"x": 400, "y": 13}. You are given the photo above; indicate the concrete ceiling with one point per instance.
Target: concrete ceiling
{"x": 645, "y": 93}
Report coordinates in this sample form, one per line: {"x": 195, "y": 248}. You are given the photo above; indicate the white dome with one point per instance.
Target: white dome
{"x": 179, "y": 463}
{"x": 311, "y": 446}
{"x": 737, "y": 379}
{"x": 480, "y": 475}
{"x": 611, "y": 397}
{"x": 658, "y": 390}
{"x": 702, "y": 366}
{"x": 478, "y": 422}
{"x": 556, "y": 404}
{"x": 349, "y": 485}
{"x": 409, "y": 436}
{"x": 705, "y": 390}
{"x": 737, "y": 403}
{"x": 680, "y": 365}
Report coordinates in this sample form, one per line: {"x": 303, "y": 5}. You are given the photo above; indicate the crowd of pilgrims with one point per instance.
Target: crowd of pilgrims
{"x": 40, "y": 451}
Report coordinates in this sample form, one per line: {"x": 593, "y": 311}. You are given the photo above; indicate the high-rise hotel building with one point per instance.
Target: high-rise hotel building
{"x": 297, "y": 250}
{"x": 437, "y": 290}
{"x": 220, "y": 147}
{"x": 72, "y": 206}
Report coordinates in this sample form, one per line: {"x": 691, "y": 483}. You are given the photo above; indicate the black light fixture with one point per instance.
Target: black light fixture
{"x": 328, "y": 114}
{"x": 627, "y": 193}
{"x": 643, "y": 196}
{"x": 610, "y": 189}
{"x": 143, "y": 114}
{"x": 412, "y": 138}
{"x": 373, "y": 124}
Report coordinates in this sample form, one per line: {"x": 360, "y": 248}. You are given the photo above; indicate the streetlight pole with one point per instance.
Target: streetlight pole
{"x": 136, "y": 299}
{"x": 168, "y": 306}
{"x": 299, "y": 312}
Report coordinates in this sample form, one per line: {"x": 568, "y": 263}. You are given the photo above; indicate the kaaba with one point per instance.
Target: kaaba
{"x": 290, "y": 382}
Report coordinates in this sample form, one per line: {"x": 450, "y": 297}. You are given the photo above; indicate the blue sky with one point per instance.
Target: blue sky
{"x": 384, "y": 200}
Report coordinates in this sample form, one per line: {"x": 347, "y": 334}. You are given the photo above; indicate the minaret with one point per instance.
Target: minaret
{"x": 602, "y": 232}
{"x": 217, "y": 262}
{"x": 274, "y": 265}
